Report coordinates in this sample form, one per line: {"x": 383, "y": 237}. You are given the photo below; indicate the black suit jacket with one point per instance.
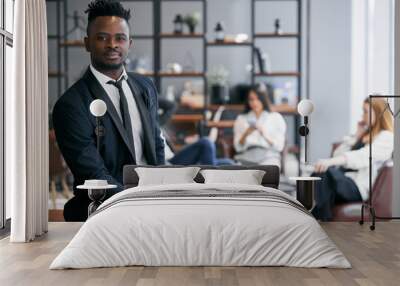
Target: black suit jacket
{"x": 75, "y": 130}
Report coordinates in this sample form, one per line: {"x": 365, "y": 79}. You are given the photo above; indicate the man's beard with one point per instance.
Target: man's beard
{"x": 108, "y": 67}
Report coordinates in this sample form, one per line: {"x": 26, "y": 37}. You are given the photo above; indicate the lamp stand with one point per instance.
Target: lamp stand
{"x": 304, "y": 131}
{"x": 97, "y": 196}
{"x": 99, "y": 131}
{"x": 305, "y": 139}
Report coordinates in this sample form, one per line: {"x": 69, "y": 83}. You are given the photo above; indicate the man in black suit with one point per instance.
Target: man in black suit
{"x": 131, "y": 131}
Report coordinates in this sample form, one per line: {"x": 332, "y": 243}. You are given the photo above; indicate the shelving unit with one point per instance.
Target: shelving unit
{"x": 288, "y": 110}
{"x": 181, "y": 36}
{"x": 273, "y": 35}
{"x": 173, "y": 36}
{"x": 55, "y": 74}
{"x": 222, "y": 44}
{"x": 72, "y": 44}
{"x": 182, "y": 74}
{"x": 274, "y": 74}
{"x": 158, "y": 36}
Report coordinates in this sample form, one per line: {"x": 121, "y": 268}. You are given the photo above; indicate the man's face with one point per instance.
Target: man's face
{"x": 108, "y": 42}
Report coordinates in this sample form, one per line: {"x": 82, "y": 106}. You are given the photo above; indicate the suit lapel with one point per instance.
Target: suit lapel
{"x": 148, "y": 142}
{"x": 98, "y": 92}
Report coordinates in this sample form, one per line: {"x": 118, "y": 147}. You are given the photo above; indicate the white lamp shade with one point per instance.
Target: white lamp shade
{"x": 98, "y": 107}
{"x": 305, "y": 107}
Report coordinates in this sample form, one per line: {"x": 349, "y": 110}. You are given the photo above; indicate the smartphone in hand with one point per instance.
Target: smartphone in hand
{"x": 362, "y": 129}
{"x": 252, "y": 122}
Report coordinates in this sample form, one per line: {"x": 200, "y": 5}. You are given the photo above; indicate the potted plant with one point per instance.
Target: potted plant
{"x": 218, "y": 83}
{"x": 192, "y": 20}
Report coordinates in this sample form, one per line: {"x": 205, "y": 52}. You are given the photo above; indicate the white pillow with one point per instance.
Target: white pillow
{"x": 249, "y": 177}
{"x": 166, "y": 176}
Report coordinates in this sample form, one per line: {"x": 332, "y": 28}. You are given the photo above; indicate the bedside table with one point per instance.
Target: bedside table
{"x": 305, "y": 190}
{"x": 97, "y": 192}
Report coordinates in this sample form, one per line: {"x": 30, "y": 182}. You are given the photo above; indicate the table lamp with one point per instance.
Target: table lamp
{"x": 98, "y": 108}
{"x": 96, "y": 192}
{"x": 305, "y": 185}
{"x": 305, "y": 108}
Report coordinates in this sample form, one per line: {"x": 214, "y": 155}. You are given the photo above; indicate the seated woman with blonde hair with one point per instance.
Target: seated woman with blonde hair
{"x": 259, "y": 134}
{"x": 345, "y": 176}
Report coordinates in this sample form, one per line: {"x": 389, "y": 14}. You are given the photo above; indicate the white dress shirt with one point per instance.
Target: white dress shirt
{"x": 136, "y": 122}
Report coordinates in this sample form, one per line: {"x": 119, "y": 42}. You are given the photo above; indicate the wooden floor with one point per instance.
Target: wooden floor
{"x": 375, "y": 257}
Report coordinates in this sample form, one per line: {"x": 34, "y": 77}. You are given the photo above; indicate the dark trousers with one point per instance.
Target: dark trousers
{"x": 202, "y": 152}
{"x": 333, "y": 188}
{"x": 76, "y": 209}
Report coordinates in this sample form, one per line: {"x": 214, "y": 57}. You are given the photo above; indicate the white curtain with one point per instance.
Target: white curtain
{"x": 396, "y": 171}
{"x": 27, "y": 123}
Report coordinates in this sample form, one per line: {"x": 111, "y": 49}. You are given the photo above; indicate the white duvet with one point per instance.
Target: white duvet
{"x": 207, "y": 230}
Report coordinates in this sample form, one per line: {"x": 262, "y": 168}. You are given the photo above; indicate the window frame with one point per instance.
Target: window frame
{"x": 6, "y": 39}
{"x": 2, "y": 90}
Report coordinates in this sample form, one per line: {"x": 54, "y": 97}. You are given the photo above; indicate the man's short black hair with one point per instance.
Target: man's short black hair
{"x": 98, "y": 8}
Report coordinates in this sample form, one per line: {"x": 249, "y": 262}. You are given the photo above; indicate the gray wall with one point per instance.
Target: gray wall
{"x": 330, "y": 71}
{"x": 350, "y": 58}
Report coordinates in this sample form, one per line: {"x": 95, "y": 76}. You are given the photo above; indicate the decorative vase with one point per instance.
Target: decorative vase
{"x": 178, "y": 24}
{"x": 219, "y": 32}
{"x": 219, "y": 94}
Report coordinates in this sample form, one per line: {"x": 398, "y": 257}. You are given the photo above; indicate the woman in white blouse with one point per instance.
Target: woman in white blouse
{"x": 345, "y": 176}
{"x": 259, "y": 135}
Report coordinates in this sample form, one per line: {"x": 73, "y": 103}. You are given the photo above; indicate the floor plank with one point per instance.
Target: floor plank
{"x": 375, "y": 257}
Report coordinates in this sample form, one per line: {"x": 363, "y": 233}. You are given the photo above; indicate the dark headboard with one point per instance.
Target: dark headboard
{"x": 270, "y": 179}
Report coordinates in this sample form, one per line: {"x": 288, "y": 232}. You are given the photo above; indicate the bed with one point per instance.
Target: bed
{"x": 199, "y": 224}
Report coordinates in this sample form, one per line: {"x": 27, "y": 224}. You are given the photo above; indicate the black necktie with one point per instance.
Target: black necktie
{"x": 123, "y": 106}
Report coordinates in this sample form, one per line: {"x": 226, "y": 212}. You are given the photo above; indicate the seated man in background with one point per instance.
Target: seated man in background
{"x": 259, "y": 134}
{"x": 199, "y": 152}
{"x": 345, "y": 176}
